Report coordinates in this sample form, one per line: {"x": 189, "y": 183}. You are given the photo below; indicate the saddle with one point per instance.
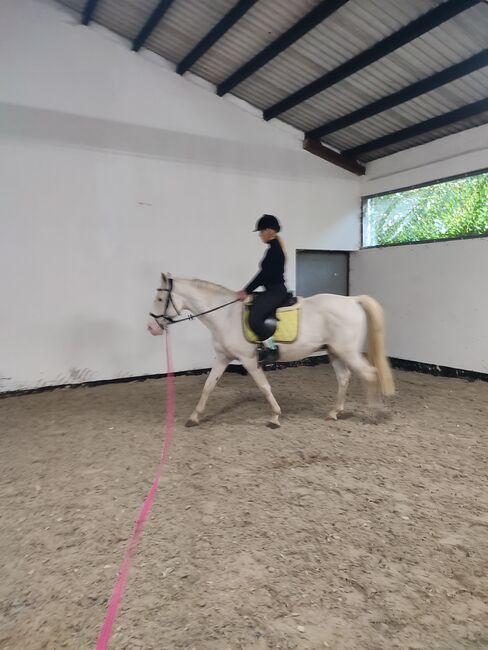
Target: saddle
{"x": 284, "y": 324}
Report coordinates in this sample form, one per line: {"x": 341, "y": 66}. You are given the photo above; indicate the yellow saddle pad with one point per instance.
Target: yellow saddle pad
{"x": 288, "y": 324}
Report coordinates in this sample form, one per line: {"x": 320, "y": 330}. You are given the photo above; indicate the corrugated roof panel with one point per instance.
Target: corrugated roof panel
{"x": 406, "y": 65}
{"x": 470, "y": 123}
{"x": 125, "y": 17}
{"x": 472, "y": 23}
{"x": 185, "y": 25}
{"x": 357, "y": 91}
{"x": 347, "y": 32}
{"x": 77, "y": 5}
{"x": 259, "y": 27}
{"x": 331, "y": 44}
{"x": 437, "y": 102}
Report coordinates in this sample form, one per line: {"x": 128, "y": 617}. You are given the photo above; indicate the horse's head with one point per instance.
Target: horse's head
{"x": 165, "y": 308}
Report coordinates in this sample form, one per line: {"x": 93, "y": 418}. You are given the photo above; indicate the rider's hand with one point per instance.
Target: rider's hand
{"x": 242, "y": 294}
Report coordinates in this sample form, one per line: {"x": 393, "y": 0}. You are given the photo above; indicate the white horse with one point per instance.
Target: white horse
{"x": 338, "y": 322}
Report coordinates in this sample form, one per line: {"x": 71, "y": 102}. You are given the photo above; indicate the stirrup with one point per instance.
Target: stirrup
{"x": 267, "y": 356}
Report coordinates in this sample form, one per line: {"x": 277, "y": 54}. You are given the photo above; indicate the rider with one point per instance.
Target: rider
{"x": 271, "y": 277}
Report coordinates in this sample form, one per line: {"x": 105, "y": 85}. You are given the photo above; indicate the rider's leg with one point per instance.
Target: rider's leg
{"x": 264, "y": 305}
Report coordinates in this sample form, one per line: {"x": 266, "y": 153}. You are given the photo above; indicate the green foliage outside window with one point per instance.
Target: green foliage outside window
{"x": 454, "y": 208}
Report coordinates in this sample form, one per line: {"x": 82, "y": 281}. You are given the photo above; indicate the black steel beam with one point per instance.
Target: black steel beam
{"x": 299, "y": 29}
{"x": 151, "y": 24}
{"x": 410, "y": 92}
{"x": 334, "y": 157}
{"x": 419, "y": 129}
{"x": 88, "y": 11}
{"x": 230, "y": 19}
{"x": 414, "y": 29}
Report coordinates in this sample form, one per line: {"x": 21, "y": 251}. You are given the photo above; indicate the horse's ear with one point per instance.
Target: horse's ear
{"x": 164, "y": 279}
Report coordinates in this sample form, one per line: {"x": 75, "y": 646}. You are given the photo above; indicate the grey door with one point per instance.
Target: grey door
{"x": 322, "y": 272}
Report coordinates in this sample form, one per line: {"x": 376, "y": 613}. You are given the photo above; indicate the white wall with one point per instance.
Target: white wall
{"x": 434, "y": 294}
{"x": 113, "y": 168}
{"x": 435, "y": 300}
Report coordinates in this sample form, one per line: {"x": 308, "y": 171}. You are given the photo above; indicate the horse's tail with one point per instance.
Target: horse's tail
{"x": 376, "y": 343}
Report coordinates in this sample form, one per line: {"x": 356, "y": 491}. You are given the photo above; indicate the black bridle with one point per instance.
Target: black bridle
{"x": 169, "y": 301}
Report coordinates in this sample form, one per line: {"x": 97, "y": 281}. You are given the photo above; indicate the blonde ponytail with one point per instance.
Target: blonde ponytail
{"x": 280, "y": 241}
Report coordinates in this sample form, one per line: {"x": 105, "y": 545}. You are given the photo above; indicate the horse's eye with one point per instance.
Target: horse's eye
{"x": 160, "y": 300}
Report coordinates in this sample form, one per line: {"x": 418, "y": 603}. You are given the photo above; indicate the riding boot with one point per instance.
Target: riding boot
{"x": 268, "y": 352}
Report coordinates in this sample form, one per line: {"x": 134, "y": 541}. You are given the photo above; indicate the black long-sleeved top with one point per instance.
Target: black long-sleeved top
{"x": 272, "y": 268}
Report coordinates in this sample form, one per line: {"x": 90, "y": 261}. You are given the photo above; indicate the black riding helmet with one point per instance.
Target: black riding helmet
{"x": 268, "y": 221}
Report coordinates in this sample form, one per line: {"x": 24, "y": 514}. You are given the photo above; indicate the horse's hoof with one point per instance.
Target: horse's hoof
{"x": 191, "y": 423}
{"x": 273, "y": 425}
{"x": 332, "y": 417}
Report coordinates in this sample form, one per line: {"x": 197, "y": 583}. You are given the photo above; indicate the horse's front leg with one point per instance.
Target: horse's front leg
{"x": 215, "y": 374}
{"x": 251, "y": 365}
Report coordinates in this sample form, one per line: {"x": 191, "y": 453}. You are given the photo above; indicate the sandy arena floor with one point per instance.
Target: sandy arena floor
{"x": 349, "y": 535}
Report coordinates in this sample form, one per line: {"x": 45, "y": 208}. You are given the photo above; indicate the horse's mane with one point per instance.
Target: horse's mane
{"x": 211, "y": 286}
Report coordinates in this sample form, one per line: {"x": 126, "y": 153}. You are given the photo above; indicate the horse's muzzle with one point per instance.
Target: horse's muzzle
{"x": 154, "y": 328}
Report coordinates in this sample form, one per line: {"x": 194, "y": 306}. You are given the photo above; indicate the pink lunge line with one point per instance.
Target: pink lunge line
{"x": 111, "y": 615}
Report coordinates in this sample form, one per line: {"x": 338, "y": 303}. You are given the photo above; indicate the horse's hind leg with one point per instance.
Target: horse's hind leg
{"x": 368, "y": 373}
{"x": 343, "y": 375}
{"x": 215, "y": 374}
